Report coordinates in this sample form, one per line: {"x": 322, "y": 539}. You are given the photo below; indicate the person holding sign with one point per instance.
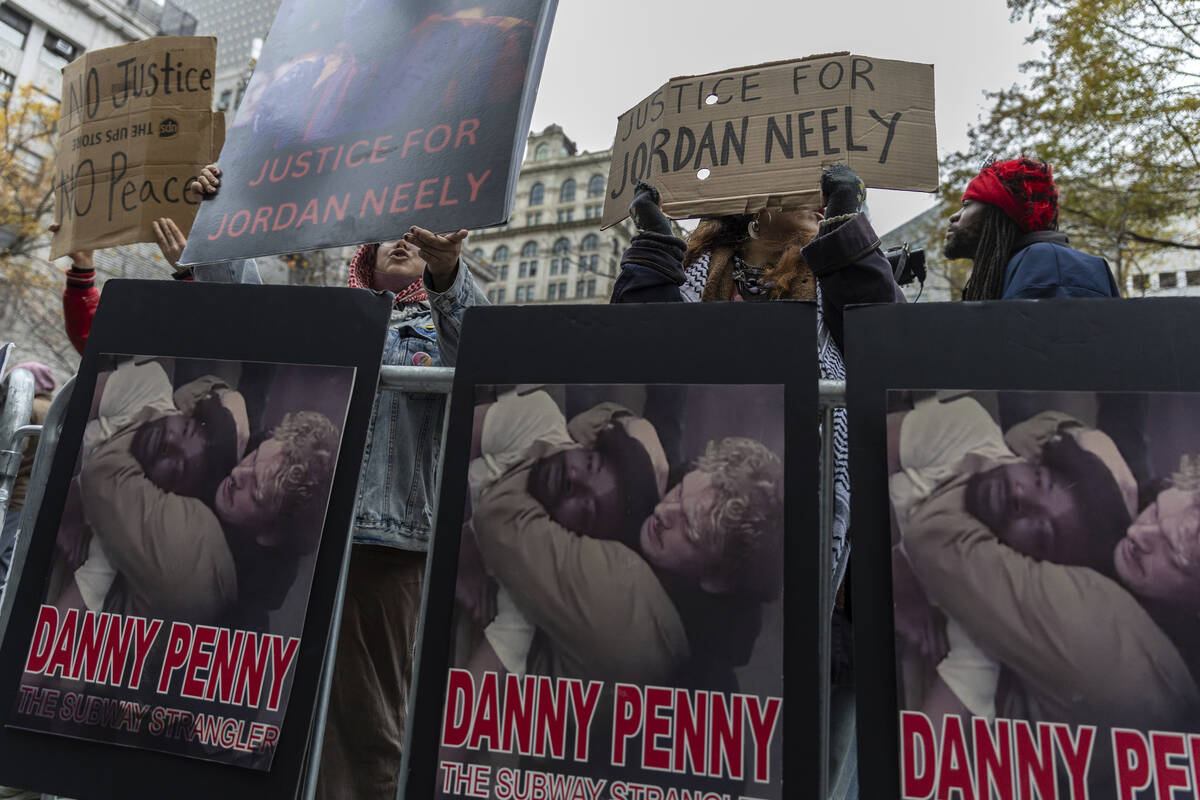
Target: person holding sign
{"x": 832, "y": 258}
{"x": 1008, "y": 227}
{"x": 81, "y": 296}
{"x": 394, "y": 516}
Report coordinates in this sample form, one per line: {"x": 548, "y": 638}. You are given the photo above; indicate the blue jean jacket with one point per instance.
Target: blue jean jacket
{"x": 396, "y": 501}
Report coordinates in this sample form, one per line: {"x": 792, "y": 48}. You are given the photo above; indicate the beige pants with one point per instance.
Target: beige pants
{"x": 368, "y": 702}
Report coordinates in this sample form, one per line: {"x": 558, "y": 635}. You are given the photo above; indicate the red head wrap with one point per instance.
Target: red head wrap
{"x": 362, "y": 270}
{"x": 1023, "y": 188}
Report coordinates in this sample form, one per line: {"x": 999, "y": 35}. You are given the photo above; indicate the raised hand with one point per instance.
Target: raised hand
{"x": 171, "y": 240}
{"x": 646, "y": 210}
{"x": 842, "y": 191}
{"x": 440, "y": 252}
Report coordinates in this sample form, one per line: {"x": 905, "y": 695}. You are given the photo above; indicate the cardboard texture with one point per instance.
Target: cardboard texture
{"x": 764, "y": 133}
{"x": 137, "y": 126}
{"x": 366, "y": 118}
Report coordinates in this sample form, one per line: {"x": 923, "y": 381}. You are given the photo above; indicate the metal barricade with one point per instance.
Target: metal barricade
{"x": 18, "y": 387}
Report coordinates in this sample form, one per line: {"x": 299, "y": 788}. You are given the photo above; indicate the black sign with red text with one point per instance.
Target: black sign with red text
{"x": 167, "y": 624}
{"x": 365, "y": 118}
{"x": 1028, "y": 628}
{"x": 615, "y": 610}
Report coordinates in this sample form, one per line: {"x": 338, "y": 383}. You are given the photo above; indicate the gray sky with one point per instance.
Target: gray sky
{"x": 606, "y": 55}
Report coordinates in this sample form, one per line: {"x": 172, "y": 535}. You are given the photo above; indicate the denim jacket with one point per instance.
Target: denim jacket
{"x": 396, "y": 501}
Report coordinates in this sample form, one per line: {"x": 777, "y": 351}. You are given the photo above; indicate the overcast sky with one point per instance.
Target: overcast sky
{"x": 606, "y": 55}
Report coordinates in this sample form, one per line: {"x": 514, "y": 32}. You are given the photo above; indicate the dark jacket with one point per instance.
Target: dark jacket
{"x": 1043, "y": 266}
{"x": 846, "y": 259}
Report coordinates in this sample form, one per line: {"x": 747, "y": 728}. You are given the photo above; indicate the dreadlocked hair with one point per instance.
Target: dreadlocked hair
{"x": 723, "y": 237}
{"x": 997, "y": 235}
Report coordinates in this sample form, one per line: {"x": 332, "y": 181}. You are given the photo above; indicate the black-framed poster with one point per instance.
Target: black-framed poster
{"x": 173, "y": 608}
{"x": 625, "y": 575}
{"x": 1026, "y": 618}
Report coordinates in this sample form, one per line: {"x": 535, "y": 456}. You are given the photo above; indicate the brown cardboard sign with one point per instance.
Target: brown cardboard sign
{"x": 745, "y": 139}
{"x": 137, "y": 126}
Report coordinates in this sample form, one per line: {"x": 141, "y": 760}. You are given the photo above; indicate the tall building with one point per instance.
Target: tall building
{"x": 552, "y": 249}
{"x": 240, "y": 27}
{"x": 39, "y": 37}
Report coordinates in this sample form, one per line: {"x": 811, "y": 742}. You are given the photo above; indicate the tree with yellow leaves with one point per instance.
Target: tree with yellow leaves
{"x": 28, "y": 125}
{"x": 1113, "y": 104}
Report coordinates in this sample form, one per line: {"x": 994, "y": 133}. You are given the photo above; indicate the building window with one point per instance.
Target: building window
{"x": 562, "y": 245}
{"x": 593, "y": 211}
{"x": 7, "y": 82}
{"x": 501, "y": 253}
{"x": 541, "y": 152}
{"x": 491, "y": 295}
{"x": 533, "y": 269}
{"x": 537, "y": 194}
{"x": 1192, "y": 276}
{"x": 1167, "y": 280}
{"x": 58, "y": 52}
{"x": 14, "y": 28}
{"x": 594, "y": 262}
{"x": 591, "y": 287}
{"x": 580, "y": 288}
{"x": 1141, "y": 282}
{"x": 552, "y": 292}
{"x": 500, "y": 294}
{"x": 554, "y": 267}
{"x": 504, "y": 272}
{"x": 566, "y": 215}
{"x": 596, "y": 186}
{"x": 562, "y": 290}
{"x": 477, "y": 254}
{"x": 529, "y": 249}
{"x": 590, "y": 242}
{"x": 567, "y": 193}
{"x": 533, "y": 219}
{"x": 523, "y": 272}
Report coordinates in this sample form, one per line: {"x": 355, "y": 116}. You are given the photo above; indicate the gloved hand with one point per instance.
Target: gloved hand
{"x": 646, "y": 210}
{"x": 842, "y": 191}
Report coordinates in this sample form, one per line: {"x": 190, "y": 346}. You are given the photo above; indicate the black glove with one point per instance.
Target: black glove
{"x": 644, "y": 209}
{"x": 843, "y": 191}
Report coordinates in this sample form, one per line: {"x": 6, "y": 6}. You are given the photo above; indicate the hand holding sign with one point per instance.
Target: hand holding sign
{"x": 646, "y": 210}
{"x": 842, "y": 191}
{"x": 171, "y": 241}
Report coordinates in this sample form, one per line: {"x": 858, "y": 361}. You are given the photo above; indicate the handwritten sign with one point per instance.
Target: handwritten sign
{"x": 758, "y": 137}
{"x": 136, "y": 127}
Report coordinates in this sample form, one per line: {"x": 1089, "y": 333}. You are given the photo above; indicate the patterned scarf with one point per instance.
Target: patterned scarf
{"x": 362, "y": 267}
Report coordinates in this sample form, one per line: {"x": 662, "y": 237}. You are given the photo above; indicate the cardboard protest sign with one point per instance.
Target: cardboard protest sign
{"x": 137, "y": 126}
{"x": 177, "y": 592}
{"x": 587, "y": 624}
{"x": 365, "y": 118}
{"x": 742, "y": 140}
{"x": 1029, "y": 622}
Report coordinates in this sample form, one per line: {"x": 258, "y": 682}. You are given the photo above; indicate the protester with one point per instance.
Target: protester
{"x": 81, "y": 296}
{"x": 831, "y": 257}
{"x": 1079, "y": 646}
{"x": 394, "y": 514}
{"x": 1008, "y": 227}
{"x": 44, "y": 384}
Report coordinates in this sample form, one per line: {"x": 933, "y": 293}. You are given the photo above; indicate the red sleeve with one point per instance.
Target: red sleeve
{"x": 80, "y": 299}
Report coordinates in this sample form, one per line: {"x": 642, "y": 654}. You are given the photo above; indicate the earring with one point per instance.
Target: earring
{"x": 752, "y": 229}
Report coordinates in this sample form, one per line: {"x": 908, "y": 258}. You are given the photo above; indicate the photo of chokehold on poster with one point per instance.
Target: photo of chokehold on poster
{"x": 184, "y": 558}
{"x": 1045, "y": 566}
{"x": 363, "y": 118}
{"x": 618, "y": 622}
